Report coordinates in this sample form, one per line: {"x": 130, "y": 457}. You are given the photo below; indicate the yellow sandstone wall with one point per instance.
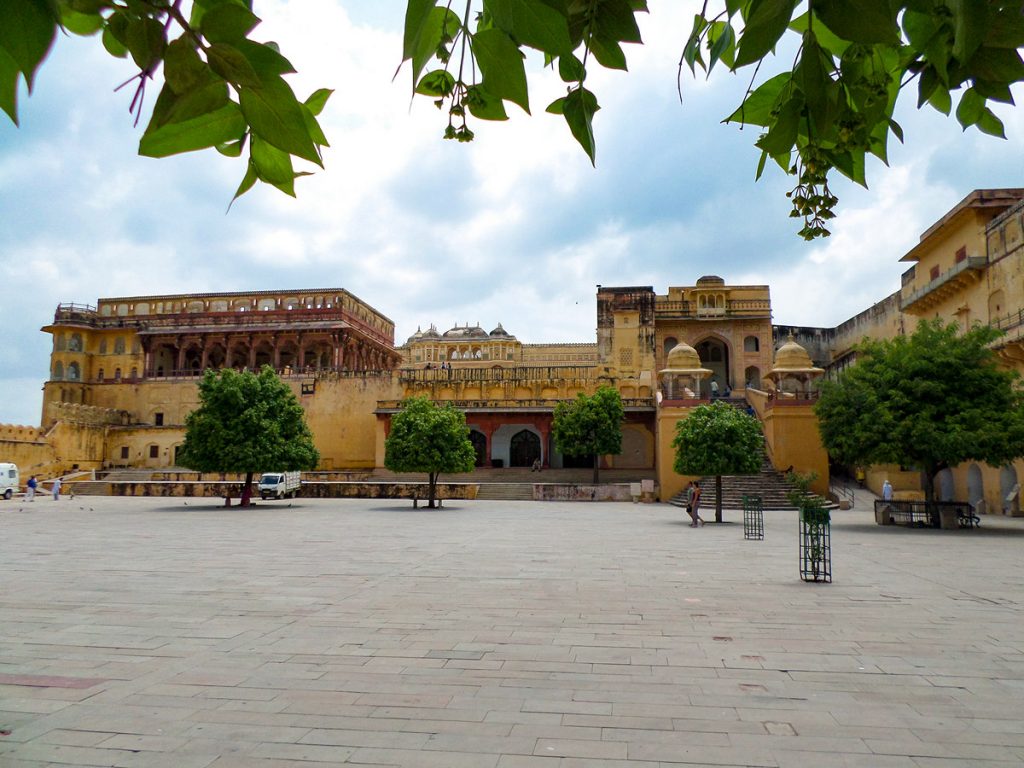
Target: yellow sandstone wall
{"x": 793, "y": 436}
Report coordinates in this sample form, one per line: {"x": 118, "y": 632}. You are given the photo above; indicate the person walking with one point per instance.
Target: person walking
{"x": 689, "y": 504}
{"x": 56, "y": 489}
{"x": 30, "y": 489}
{"x": 695, "y": 503}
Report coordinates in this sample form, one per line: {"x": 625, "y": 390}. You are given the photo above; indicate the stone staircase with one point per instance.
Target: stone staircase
{"x": 770, "y": 484}
{"x": 505, "y": 492}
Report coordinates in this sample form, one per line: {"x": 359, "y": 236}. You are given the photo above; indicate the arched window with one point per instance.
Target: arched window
{"x": 135, "y": 373}
{"x": 75, "y": 343}
{"x": 99, "y": 375}
{"x": 751, "y": 344}
{"x": 59, "y": 342}
{"x": 119, "y": 345}
{"x": 74, "y": 372}
{"x": 58, "y": 371}
{"x": 103, "y": 346}
{"x": 117, "y": 374}
{"x": 524, "y": 449}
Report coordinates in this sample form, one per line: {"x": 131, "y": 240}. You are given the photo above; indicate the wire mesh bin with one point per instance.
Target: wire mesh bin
{"x": 753, "y": 518}
{"x": 815, "y": 545}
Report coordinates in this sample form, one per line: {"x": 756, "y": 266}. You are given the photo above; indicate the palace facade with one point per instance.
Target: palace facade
{"x": 124, "y": 372}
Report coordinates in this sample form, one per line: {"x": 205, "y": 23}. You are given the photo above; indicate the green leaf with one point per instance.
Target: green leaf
{"x": 315, "y": 131}
{"x": 691, "y": 51}
{"x": 990, "y": 124}
{"x": 439, "y": 24}
{"x": 114, "y": 46}
{"x": 417, "y": 26}
{"x": 941, "y": 100}
{"x": 209, "y": 130}
{"x": 723, "y": 46}
{"x": 228, "y": 23}
{"x": 766, "y": 23}
{"x": 183, "y": 69}
{"x": 757, "y": 108}
{"x": 272, "y": 165}
{"x": 231, "y": 64}
{"x": 248, "y": 181}
{"x": 614, "y": 20}
{"x": 609, "y": 53}
{"x": 146, "y": 41}
{"x": 864, "y": 21}
{"x": 84, "y": 24}
{"x": 556, "y": 107}
{"x": 997, "y": 65}
{"x": 971, "y": 108}
{"x": 437, "y": 83}
{"x": 318, "y": 99}
{"x": 27, "y": 30}
{"x": 533, "y": 23}
{"x": 571, "y": 69}
{"x": 501, "y": 63}
{"x": 265, "y": 59}
{"x": 827, "y": 39}
{"x": 232, "y": 148}
{"x": 781, "y": 135}
{"x": 9, "y": 74}
{"x": 579, "y": 107}
{"x": 970, "y": 21}
{"x": 275, "y": 115}
{"x": 206, "y": 96}
{"x": 483, "y": 105}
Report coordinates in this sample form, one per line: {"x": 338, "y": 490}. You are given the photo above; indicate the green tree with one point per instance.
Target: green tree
{"x": 221, "y": 88}
{"x": 430, "y": 438}
{"x": 590, "y": 425}
{"x": 828, "y": 111}
{"x": 718, "y": 439}
{"x": 932, "y": 400}
{"x": 828, "y": 108}
{"x": 247, "y": 423}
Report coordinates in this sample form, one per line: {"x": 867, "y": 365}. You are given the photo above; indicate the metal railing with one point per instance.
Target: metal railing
{"x": 504, "y": 374}
{"x": 526, "y": 404}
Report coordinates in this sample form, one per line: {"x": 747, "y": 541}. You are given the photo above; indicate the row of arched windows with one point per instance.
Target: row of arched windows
{"x": 74, "y": 343}
{"x": 73, "y": 372}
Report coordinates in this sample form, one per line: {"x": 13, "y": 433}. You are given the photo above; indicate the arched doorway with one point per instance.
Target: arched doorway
{"x": 524, "y": 449}
{"x": 945, "y": 485}
{"x": 479, "y": 441}
{"x": 752, "y": 377}
{"x": 975, "y": 484}
{"x": 1009, "y": 490}
{"x": 714, "y": 354}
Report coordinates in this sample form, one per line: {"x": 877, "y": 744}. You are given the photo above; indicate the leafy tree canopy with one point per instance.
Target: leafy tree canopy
{"x": 247, "y": 423}
{"x": 718, "y": 439}
{"x": 222, "y": 89}
{"x": 931, "y": 400}
{"x": 590, "y": 425}
{"x": 827, "y": 110}
{"x": 830, "y": 109}
{"x": 430, "y": 438}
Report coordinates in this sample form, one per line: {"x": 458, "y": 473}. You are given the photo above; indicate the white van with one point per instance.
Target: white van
{"x": 10, "y": 483}
{"x": 279, "y": 485}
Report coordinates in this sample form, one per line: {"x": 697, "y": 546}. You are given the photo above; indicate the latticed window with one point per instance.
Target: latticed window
{"x": 625, "y": 357}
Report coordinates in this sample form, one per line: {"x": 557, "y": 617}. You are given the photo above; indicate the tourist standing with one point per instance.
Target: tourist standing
{"x": 695, "y": 504}
{"x": 30, "y": 489}
{"x": 689, "y": 504}
{"x": 887, "y": 490}
{"x": 56, "y": 489}
{"x": 714, "y": 388}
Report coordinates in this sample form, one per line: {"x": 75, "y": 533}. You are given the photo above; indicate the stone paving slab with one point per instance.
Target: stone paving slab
{"x": 151, "y": 632}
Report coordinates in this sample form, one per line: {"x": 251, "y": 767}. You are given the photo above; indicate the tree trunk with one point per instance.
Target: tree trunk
{"x": 431, "y": 489}
{"x": 929, "y": 486}
{"x": 718, "y": 498}
{"x": 597, "y": 462}
{"x": 246, "y": 490}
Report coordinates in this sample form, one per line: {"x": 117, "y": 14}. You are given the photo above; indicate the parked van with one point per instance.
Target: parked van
{"x": 10, "y": 482}
{"x": 279, "y": 485}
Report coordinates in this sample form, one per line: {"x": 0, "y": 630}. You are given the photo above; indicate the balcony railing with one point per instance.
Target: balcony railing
{"x": 543, "y": 405}
{"x": 945, "y": 285}
{"x": 732, "y": 308}
{"x": 546, "y": 373}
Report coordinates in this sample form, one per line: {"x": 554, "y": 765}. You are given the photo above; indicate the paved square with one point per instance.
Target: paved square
{"x": 152, "y": 633}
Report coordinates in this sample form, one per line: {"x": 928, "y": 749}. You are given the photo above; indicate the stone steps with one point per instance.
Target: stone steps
{"x": 504, "y": 492}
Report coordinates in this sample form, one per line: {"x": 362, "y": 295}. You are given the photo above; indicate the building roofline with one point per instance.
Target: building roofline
{"x": 975, "y": 200}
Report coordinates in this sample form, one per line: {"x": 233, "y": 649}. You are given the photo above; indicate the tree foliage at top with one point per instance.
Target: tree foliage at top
{"x": 932, "y": 400}
{"x": 247, "y": 423}
{"x": 590, "y": 425}
{"x": 222, "y": 89}
{"x": 827, "y": 110}
{"x": 425, "y": 437}
{"x": 718, "y": 439}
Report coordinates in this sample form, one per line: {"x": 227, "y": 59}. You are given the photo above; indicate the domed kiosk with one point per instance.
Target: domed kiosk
{"x": 794, "y": 371}
{"x": 683, "y": 373}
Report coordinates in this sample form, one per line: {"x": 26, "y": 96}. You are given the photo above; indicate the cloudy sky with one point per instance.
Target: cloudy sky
{"x": 516, "y": 227}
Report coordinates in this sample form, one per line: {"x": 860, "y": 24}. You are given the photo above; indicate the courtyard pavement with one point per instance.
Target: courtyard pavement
{"x": 172, "y": 633}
